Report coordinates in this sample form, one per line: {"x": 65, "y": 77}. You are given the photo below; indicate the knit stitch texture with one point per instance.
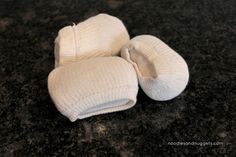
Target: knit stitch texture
{"x": 101, "y": 35}
{"x": 94, "y": 86}
{"x": 162, "y": 73}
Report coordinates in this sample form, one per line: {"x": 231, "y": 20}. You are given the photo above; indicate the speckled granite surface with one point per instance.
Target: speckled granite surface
{"x": 202, "y": 31}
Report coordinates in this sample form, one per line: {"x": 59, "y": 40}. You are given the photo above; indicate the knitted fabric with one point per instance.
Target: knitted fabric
{"x": 94, "y": 86}
{"x": 162, "y": 73}
{"x": 101, "y": 35}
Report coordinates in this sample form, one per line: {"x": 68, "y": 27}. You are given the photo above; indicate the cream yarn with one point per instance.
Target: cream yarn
{"x": 101, "y": 35}
{"x": 94, "y": 86}
{"x": 88, "y": 81}
{"x": 162, "y": 73}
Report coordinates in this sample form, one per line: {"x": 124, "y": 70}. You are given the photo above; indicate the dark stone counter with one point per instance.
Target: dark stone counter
{"x": 203, "y": 32}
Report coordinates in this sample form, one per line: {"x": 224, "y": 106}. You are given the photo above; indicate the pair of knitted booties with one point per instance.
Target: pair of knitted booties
{"x": 91, "y": 79}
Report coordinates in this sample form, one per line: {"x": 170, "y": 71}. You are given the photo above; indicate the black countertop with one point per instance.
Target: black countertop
{"x": 203, "y": 32}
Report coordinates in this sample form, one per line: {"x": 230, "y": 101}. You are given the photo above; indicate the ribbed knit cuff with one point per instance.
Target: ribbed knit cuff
{"x": 65, "y": 46}
{"x": 111, "y": 100}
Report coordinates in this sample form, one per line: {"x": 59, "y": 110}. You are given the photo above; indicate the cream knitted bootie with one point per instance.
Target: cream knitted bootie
{"x": 101, "y": 35}
{"x": 162, "y": 73}
{"x": 94, "y": 86}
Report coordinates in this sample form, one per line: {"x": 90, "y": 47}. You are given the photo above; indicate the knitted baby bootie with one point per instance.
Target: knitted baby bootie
{"x": 92, "y": 87}
{"x": 162, "y": 73}
{"x": 101, "y": 35}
